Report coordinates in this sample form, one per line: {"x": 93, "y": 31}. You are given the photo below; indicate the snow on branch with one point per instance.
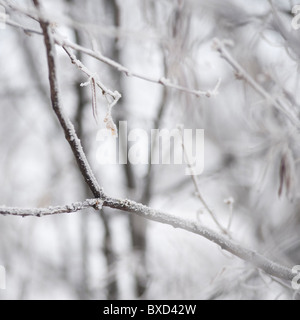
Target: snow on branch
{"x": 197, "y": 188}
{"x": 241, "y": 73}
{"x": 64, "y": 42}
{"x": 249, "y": 255}
{"x": 112, "y": 97}
{"x": 40, "y": 212}
{"x": 161, "y": 80}
{"x": 65, "y": 122}
{"x": 270, "y": 267}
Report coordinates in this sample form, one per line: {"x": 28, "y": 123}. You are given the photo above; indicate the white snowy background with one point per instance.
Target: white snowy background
{"x": 62, "y": 257}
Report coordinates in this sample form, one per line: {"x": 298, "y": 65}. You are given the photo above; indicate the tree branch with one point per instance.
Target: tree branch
{"x": 162, "y": 80}
{"x": 270, "y": 267}
{"x": 107, "y": 92}
{"x": 256, "y": 259}
{"x": 63, "y": 42}
{"x": 65, "y": 122}
{"x": 93, "y": 81}
{"x": 50, "y": 211}
{"x": 241, "y": 73}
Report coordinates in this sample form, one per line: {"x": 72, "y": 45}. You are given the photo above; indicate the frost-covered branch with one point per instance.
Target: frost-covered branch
{"x": 40, "y": 212}
{"x": 270, "y": 267}
{"x": 161, "y": 80}
{"x": 197, "y": 188}
{"x": 251, "y": 256}
{"x": 107, "y": 92}
{"x": 64, "y": 42}
{"x": 65, "y": 122}
{"x": 241, "y": 73}
{"x": 27, "y": 30}
{"x": 112, "y": 97}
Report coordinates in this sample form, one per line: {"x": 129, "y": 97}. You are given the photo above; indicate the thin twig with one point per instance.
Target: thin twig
{"x": 105, "y": 91}
{"x": 241, "y": 73}
{"x": 28, "y": 31}
{"x": 63, "y": 42}
{"x": 112, "y": 97}
{"x": 162, "y": 80}
{"x": 40, "y": 212}
{"x": 197, "y": 188}
{"x": 94, "y": 99}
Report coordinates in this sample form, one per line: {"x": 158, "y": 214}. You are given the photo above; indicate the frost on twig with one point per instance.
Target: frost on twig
{"x": 66, "y": 43}
{"x": 112, "y": 97}
{"x": 40, "y": 212}
{"x": 256, "y": 259}
{"x": 196, "y": 185}
{"x": 198, "y": 93}
{"x": 242, "y": 74}
{"x": 65, "y": 122}
{"x": 269, "y": 266}
{"x": 162, "y": 80}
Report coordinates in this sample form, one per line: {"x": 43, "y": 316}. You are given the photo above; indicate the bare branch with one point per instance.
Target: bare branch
{"x": 111, "y": 97}
{"x": 251, "y": 256}
{"x": 50, "y": 211}
{"x": 270, "y": 267}
{"x": 107, "y": 92}
{"x": 64, "y": 42}
{"x": 197, "y": 188}
{"x": 241, "y": 73}
{"x": 246, "y": 254}
{"x": 28, "y": 31}
{"x": 162, "y": 80}
{"x": 65, "y": 122}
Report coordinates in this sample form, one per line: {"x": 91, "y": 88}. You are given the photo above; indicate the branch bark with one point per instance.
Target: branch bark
{"x": 63, "y": 42}
{"x": 256, "y": 259}
{"x": 241, "y": 73}
{"x": 65, "y": 122}
{"x": 50, "y": 211}
{"x": 162, "y": 80}
{"x": 249, "y": 255}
